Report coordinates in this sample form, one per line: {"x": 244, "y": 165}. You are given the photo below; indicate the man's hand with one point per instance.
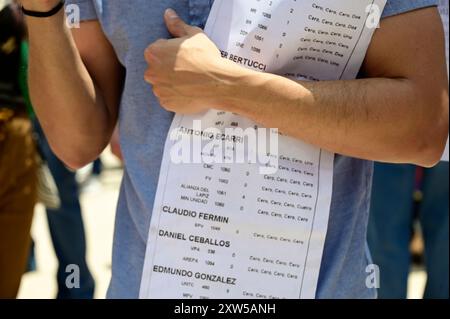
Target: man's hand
{"x": 183, "y": 70}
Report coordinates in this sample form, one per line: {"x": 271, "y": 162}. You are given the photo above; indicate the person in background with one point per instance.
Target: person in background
{"x": 18, "y": 158}
{"x": 392, "y": 218}
{"x": 66, "y": 225}
{"x": 97, "y": 167}
{"x": 391, "y": 222}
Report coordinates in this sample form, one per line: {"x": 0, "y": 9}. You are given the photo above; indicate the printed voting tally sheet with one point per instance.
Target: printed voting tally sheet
{"x": 231, "y": 230}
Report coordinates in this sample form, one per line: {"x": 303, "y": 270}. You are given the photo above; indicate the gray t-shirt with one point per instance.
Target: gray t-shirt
{"x": 131, "y": 26}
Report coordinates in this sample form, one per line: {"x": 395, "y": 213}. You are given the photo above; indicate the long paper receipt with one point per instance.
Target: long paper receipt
{"x": 239, "y": 230}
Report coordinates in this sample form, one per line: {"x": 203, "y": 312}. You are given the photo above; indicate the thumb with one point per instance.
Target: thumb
{"x": 176, "y": 26}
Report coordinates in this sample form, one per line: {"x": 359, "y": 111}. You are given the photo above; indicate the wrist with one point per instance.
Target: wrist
{"x": 235, "y": 86}
{"x": 245, "y": 92}
{"x": 257, "y": 96}
{"x": 36, "y": 25}
{"x": 40, "y": 5}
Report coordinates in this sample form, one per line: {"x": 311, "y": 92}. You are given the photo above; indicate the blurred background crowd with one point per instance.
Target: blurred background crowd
{"x": 52, "y": 217}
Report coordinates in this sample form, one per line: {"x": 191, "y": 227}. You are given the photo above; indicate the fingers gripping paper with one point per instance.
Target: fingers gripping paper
{"x": 256, "y": 228}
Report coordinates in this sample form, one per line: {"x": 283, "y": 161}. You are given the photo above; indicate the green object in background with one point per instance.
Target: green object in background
{"x": 23, "y": 77}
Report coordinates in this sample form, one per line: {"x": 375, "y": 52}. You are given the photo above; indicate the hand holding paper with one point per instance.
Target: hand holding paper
{"x": 183, "y": 70}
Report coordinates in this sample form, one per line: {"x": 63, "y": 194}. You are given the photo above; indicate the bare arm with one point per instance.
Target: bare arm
{"x": 75, "y": 83}
{"x": 398, "y": 114}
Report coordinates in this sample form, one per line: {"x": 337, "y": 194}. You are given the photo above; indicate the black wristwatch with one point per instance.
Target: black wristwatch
{"x": 39, "y": 14}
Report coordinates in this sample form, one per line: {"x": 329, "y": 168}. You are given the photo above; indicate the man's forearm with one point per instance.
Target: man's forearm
{"x": 399, "y": 113}
{"x": 378, "y": 119}
{"x": 76, "y": 121}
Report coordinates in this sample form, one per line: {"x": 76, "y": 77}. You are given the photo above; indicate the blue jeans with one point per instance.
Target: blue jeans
{"x": 66, "y": 226}
{"x": 392, "y": 217}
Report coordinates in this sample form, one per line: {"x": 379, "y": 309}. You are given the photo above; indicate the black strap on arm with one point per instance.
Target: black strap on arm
{"x": 39, "y": 14}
